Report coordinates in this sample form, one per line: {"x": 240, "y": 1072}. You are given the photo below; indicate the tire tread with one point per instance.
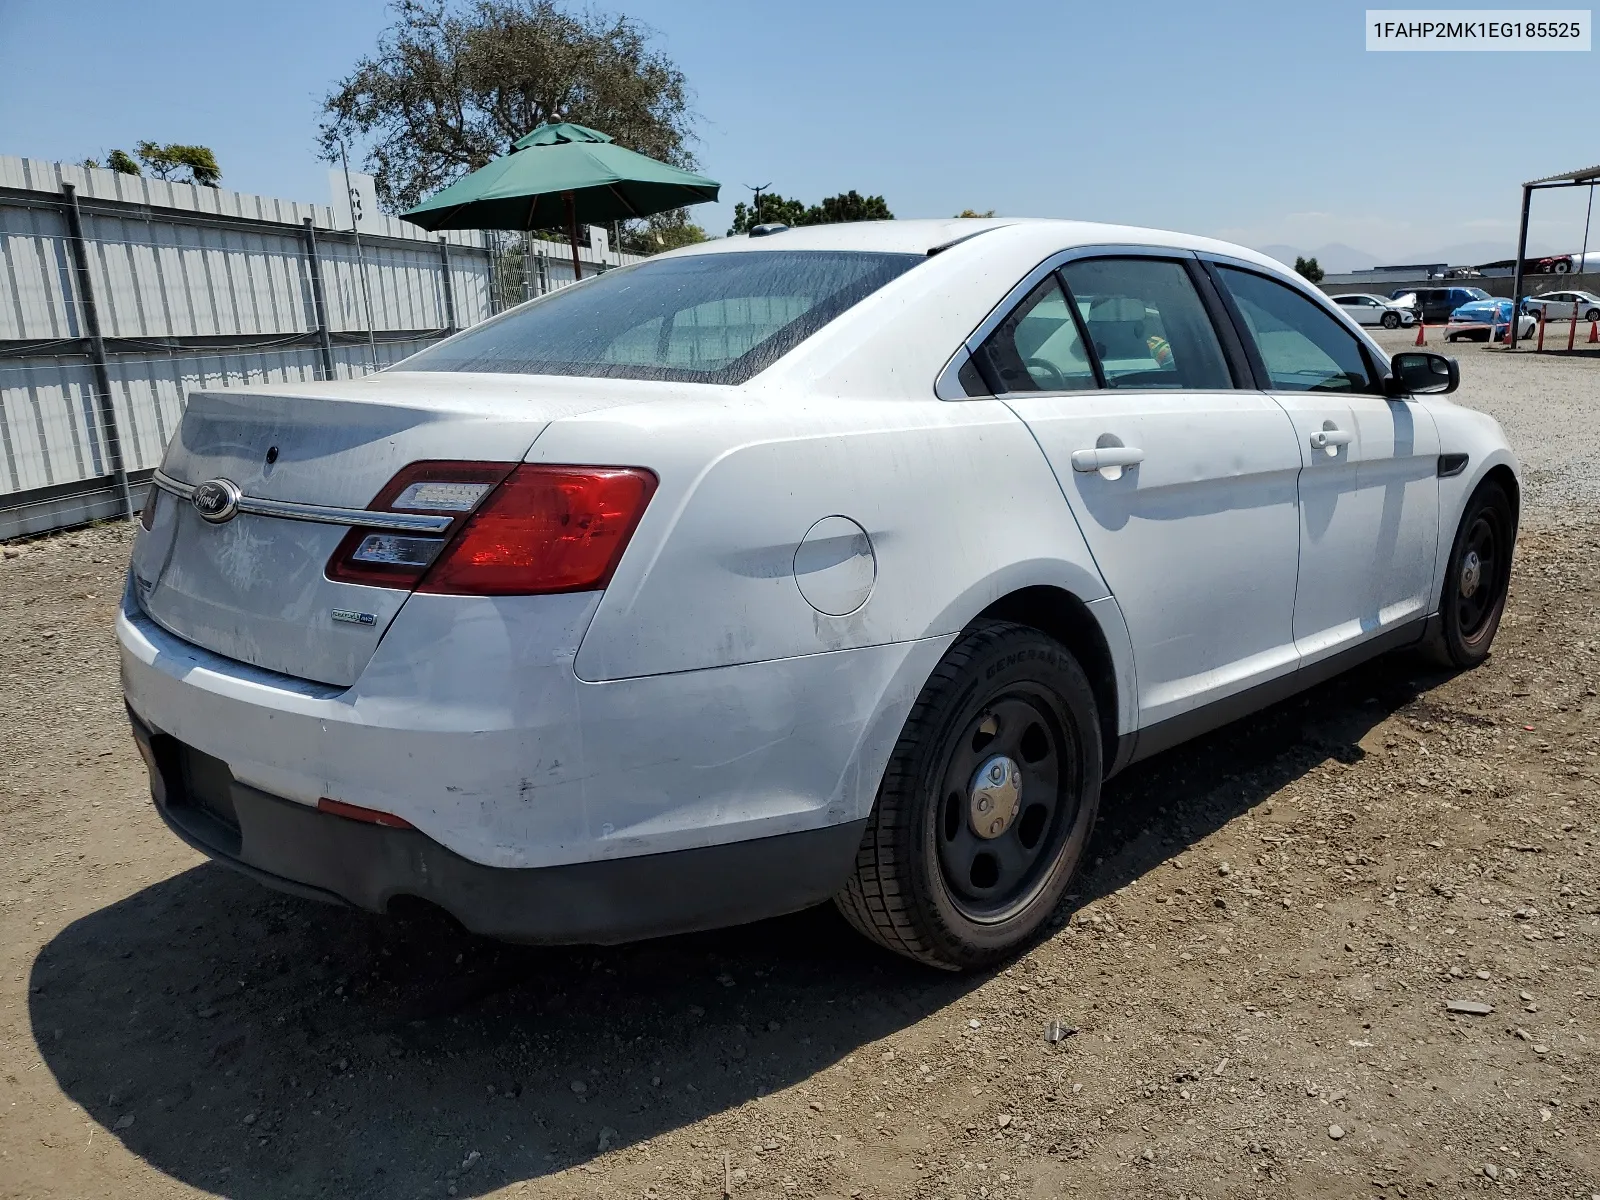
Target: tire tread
{"x": 876, "y": 899}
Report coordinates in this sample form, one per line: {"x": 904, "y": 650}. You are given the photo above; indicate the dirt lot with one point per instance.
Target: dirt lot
{"x": 1257, "y": 968}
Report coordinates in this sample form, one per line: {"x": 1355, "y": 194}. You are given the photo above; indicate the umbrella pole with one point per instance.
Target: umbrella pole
{"x": 572, "y": 232}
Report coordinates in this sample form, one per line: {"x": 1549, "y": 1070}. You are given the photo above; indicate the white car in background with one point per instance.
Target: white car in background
{"x": 1562, "y": 306}
{"x": 839, "y": 562}
{"x": 1366, "y": 309}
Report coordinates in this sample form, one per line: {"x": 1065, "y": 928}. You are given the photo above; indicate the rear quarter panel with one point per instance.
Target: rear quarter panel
{"x": 958, "y": 502}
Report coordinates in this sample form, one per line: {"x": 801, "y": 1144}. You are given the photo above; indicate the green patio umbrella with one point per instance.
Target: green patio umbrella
{"x": 561, "y": 175}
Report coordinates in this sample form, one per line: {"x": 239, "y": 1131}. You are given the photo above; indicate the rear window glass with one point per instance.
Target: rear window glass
{"x": 709, "y": 318}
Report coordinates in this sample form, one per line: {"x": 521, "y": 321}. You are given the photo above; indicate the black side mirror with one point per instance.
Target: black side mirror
{"x": 1419, "y": 373}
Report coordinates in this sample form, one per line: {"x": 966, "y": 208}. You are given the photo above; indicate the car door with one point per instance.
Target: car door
{"x": 1369, "y": 492}
{"x": 1359, "y": 308}
{"x": 1182, "y": 481}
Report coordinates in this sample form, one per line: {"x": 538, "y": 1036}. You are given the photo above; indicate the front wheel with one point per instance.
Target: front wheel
{"x": 986, "y": 804}
{"x": 1592, "y": 315}
{"x": 1476, "y": 581}
{"x": 1391, "y": 320}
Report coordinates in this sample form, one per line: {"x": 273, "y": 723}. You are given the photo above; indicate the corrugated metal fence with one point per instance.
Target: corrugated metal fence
{"x": 119, "y": 294}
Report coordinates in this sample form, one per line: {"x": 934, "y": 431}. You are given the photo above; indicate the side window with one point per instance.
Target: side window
{"x": 1347, "y": 301}
{"x": 1037, "y": 347}
{"x": 1147, "y": 324}
{"x": 1304, "y": 349}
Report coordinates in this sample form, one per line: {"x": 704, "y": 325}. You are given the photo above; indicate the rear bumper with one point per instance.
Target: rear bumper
{"x": 297, "y": 849}
{"x": 470, "y": 724}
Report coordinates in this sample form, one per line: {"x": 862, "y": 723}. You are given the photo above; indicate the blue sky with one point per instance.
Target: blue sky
{"x": 1260, "y": 122}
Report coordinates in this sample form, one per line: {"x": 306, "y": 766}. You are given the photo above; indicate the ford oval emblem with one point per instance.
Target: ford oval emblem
{"x": 217, "y": 500}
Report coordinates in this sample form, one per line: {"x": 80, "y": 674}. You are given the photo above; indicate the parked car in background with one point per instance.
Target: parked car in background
{"x": 1365, "y": 309}
{"x": 1434, "y": 305}
{"x": 841, "y": 562}
{"x": 1473, "y": 321}
{"x": 1563, "y": 306}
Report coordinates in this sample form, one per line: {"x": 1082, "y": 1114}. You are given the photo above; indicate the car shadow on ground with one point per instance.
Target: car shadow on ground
{"x": 262, "y": 1046}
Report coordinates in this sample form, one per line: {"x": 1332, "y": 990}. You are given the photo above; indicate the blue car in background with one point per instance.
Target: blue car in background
{"x": 1474, "y": 320}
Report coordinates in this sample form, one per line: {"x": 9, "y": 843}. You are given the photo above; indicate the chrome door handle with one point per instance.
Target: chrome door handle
{"x": 1101, "y": 457}
{"x": 1322, "y": 439}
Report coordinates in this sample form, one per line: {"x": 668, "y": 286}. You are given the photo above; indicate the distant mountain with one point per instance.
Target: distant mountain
{"x": 1464, "y": 254}
{"x": 1284, "y": 254}
{"x": 1334, "y": 258}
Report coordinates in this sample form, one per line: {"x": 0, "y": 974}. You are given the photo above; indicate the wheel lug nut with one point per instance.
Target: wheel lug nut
{"x": 984, "y": 804}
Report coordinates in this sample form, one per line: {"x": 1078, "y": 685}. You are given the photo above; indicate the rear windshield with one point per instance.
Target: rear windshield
{"x": 709, "y": 318}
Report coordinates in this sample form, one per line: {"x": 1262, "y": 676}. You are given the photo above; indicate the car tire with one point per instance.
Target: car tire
{"x": 928, "y": 883}
{"x": 1477, "y": 579}
{"x": 1592, "y": 315}
{"x": 1391, "y": 320}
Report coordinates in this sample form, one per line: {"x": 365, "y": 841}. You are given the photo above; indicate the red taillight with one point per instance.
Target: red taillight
{"x": 386, "y": 558}
{"x": 517, "y": 530}
{"x": 545, "y": 529}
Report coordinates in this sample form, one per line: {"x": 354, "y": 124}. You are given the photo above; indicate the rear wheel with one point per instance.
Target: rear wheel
{"x": 1476, "y": 581}
{"x": 986, "y": 804}
{"x": 1391, "y": 320}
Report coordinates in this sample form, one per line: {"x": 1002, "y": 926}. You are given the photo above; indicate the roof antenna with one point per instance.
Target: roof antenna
{"x": 755, "y": 207}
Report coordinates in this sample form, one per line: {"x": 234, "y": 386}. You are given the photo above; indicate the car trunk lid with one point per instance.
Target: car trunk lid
{"x": 254, "y": 587}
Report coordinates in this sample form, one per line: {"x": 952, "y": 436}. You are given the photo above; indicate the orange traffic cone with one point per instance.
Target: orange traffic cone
{"x": 1422, "y": 333}
{"x": 1594, "y": 332}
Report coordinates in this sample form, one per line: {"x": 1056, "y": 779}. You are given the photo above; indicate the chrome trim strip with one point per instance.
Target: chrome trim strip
{"x": 1032, "y": 279}
{"x": 170, "y": 485}
{"x": 948, "y": 385}
{"x": 322, "y": 514}
{"x": 1314, "y": 294}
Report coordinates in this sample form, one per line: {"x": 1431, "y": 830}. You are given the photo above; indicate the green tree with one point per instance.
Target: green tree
{"x": 972, "y": 212}
{"x": 168, "y": 161}
{"x": 122, "y": 162}
{"x": 847, "y": 206}
{"x": 453, "y": 83}
{"x": 767, "y": 209}
{"x": 664, "y": 231}
{"x": 1308, "y": 268}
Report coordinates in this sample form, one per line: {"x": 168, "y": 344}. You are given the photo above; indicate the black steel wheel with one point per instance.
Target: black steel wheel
{"x": 1477, "y": 579}
{"x": 986, "y": 805}
{"x": 1003, "y": 808}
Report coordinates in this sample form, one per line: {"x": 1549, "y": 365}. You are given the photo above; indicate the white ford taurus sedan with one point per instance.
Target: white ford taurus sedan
{"x": 839, "y": 562}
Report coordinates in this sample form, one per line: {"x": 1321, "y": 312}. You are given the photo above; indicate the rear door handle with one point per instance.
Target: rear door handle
{"x": 1323, "y": 439}
{"x": 1101, "y": 457}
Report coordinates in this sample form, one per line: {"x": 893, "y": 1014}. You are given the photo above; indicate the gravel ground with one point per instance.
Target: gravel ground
{"x": 1257, "y": 973}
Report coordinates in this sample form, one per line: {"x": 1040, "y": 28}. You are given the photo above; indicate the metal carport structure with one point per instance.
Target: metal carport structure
{"x": 1587, "y": 177}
